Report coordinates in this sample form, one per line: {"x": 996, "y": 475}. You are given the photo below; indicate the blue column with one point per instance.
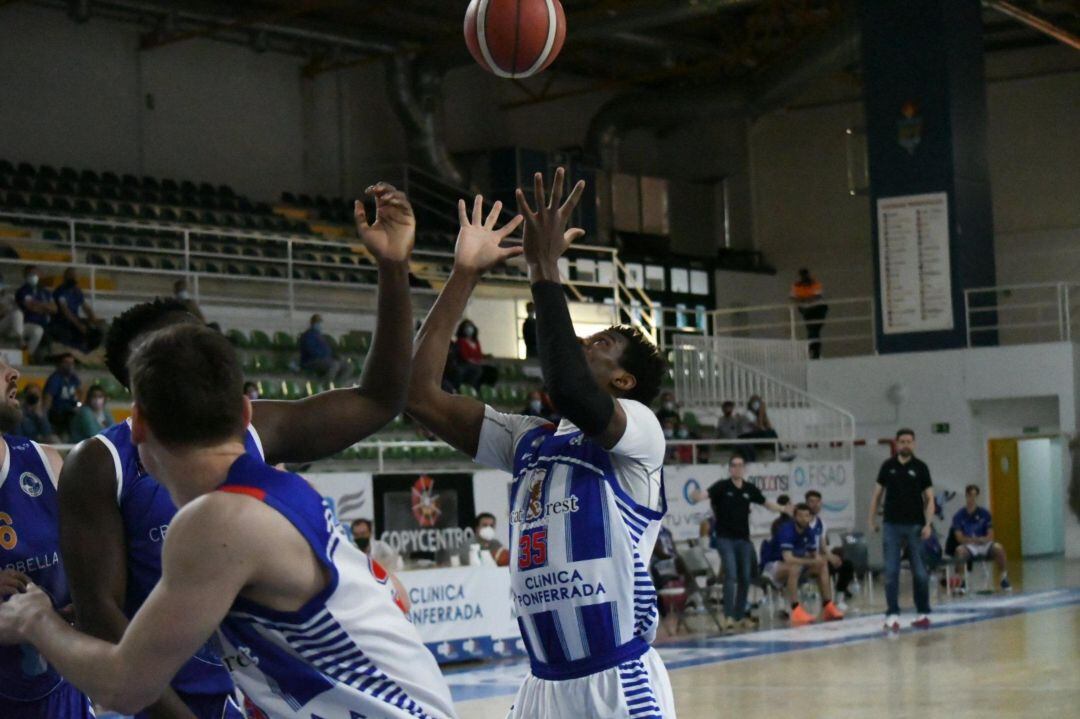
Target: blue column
{"x": 925, "y": 100}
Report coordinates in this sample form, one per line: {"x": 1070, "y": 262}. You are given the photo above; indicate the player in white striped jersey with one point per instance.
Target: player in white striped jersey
{"x": 308, "y": 623}
{"x": 587, "y": 495}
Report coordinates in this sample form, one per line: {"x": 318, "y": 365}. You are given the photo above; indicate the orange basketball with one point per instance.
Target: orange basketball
{"x": 515, "y": 38}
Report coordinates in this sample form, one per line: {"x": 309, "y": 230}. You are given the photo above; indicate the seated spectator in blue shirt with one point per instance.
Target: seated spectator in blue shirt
{"x": 37, "y": 307}
{"x": 35, "y": 423}
{"x": 92, "y": 416}
{"x": 61, "y": 395}
{"x": 317, "y": 356}
{"x": 75, "y": 323}
{"x": 973, "y": 531}
{"x": 800, "y": 556}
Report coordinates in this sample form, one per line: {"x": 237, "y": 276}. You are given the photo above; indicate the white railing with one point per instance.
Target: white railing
{"x": 1022, "y": 313}
{"x": 705, "y": 379}
{"x": 847, "y": 330}
{"x": 786, "y": 360}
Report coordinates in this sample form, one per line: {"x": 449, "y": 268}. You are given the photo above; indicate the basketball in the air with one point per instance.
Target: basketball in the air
{"x": 515, "y": 38}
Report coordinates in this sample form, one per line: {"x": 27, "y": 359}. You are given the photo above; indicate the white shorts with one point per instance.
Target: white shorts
{"x": 771, "y": 569}
{"x": 637, "y": 689}
{"x": 978, "y": 550}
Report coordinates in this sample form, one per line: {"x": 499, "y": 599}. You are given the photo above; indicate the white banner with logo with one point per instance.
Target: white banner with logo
{"x": 835, "y": 481}
{"x": 350, "y": 493}
{"x": 463, "y": 613}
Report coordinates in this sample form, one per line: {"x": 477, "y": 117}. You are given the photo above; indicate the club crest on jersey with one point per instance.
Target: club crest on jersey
{"x": 425, "y": 503}
{"x": 536, "y": 504}
{"x": 30, "y": 484}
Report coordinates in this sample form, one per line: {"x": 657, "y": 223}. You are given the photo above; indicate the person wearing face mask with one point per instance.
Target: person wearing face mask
{"x": 251, "y": 391}
{"x": 377, "y": 549}
{"x": 35, "y": 423}
{"x": 537, "y": 406}
{"x": 760, "y": 426}
{"x": 668, "y": 408}
{"x": 92, "y": 416}
{"x": 472, "y": 366}
{"x": 61, "y": 394}
{"x": 75, "y": 323}
{"x": 37, "y": 308}
{"x": 183, "y": 294}
{"x": 491, "y": 549}
{"x": 317, "y": 356}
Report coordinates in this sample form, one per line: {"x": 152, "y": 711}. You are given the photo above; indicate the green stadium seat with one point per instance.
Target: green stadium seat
{"x": 295, "y": 390}
{"x": 284, "y": 341}
{"x": 260, "y": 340}
{"x": 270, "y": 389}
{"x": 488, "y": 394}
{"x": 237, "y": 338}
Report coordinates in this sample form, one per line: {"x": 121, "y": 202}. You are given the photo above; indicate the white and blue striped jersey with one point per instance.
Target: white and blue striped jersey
{"x": 583, "y": 524}
{"x": 349, "y": 651}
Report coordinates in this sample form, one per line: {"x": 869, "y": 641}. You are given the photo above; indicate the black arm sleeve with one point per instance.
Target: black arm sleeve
{"x": 569, "y": 381}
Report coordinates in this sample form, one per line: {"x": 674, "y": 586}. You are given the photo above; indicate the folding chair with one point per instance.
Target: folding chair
{"x": 697, "y": 564}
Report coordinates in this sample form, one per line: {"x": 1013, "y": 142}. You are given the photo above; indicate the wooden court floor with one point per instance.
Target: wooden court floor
{"x": 1022, "y": 665}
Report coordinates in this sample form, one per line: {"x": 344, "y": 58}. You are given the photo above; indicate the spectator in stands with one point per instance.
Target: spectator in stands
{"x": 537, "y": 405}
{"x": 380, "y": 551}
{"x": 731, "y": 500}
{"x": 731, "y": 424}
{"x": 35, "y": 422}
{"x": 528, "y": 332}
{"x": 973, "y": 530}
{"x": 474, "y": 371}
{"x": 182, "y": 294}
{"x": 251, "y": 391}
{"x": 484, "y": 548}
{"x": 11, "y": 317}
{"x": 841, "y": 568}
{"x": 61, "y": 394}
{"x": 37, "y": 307}
{"x": 801, "y": 557}
{"x": 75, "y": 323}
{"x": 905, "y": 481}
{"x": 760, "y": 427}
{"x": 806, "y": 293}
{"x": 668, "y": 407}
{"x": 317, "y": 355}
{"x": 92, "y": 416}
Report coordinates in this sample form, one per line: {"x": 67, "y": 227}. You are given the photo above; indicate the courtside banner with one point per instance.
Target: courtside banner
{"x": 348, "y": 493}
{"x": 463, "y": 613}
{"x": 835, "y": 481}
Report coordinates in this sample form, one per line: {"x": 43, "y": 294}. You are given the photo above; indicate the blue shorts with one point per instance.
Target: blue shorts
{"x": 64, "y": 702}
{"x": 209, "y": 706}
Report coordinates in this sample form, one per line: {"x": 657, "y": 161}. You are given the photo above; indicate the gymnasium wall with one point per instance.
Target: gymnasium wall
{"x": 980, "y": 393}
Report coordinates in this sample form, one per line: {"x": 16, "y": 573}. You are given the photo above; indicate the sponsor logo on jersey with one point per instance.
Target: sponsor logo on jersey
{"x": 30, "y": 484}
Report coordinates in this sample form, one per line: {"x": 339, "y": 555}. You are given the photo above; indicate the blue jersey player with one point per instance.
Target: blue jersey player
{"x": 307, "y": 623}
{"x": 30, "y": 688}
{"x": 115, "y": 516}
{"x": 587, "y": 495}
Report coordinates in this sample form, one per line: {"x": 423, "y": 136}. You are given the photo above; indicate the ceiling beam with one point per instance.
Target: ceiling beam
{"x": 155, "y": 39}
{"x": 1035, "y": 22}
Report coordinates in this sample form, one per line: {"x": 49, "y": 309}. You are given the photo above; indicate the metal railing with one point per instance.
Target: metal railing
{"x": 706, "y": 379}
{"x": 1022, "y": 313}
{"x": 847, "y": 330}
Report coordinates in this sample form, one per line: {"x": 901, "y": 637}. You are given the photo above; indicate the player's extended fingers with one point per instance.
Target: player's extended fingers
{"x": 478, "y": 211}
{"x": 360, "y": 213}
{"x": 556, "y": 189}
{"x": 493, "y": 216}
{"x": 522, "y": 203}
{"x": 509, "y": 227}
{"x": 538, "y": 191}
{"x": 574, "y": 198}
{"x": 462, "y": 215}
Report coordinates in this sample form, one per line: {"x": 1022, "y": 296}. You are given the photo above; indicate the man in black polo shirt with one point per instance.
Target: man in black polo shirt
{"x": 731, "y": 500}
{"x": 909, "y": 510}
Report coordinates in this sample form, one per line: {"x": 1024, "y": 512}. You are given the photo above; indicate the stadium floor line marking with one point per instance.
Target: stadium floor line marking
{"x": 503, "y": 678}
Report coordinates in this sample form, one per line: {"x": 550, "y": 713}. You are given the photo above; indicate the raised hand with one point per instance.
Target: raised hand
{"x": 546, "y": 236}
{"x": 392, "y": 236}
{"x": 477, "y": 249}
{"x": 12, "y": 581}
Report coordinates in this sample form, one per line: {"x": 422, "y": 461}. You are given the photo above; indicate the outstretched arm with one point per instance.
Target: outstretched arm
{"x": 323, "y": 425}
{"x": 570, "y": 382}
{"x": 202, "y": 572}
{"x": 456, "y": 419}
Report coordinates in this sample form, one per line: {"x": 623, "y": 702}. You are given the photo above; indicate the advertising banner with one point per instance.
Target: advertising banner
{"x": 835, "y": 481}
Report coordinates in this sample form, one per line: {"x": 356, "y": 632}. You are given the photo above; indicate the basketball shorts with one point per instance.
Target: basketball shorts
{"x": 979, "y": 550}
{"x": 637, "y": 689}
{"x": 63, "y": 702}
